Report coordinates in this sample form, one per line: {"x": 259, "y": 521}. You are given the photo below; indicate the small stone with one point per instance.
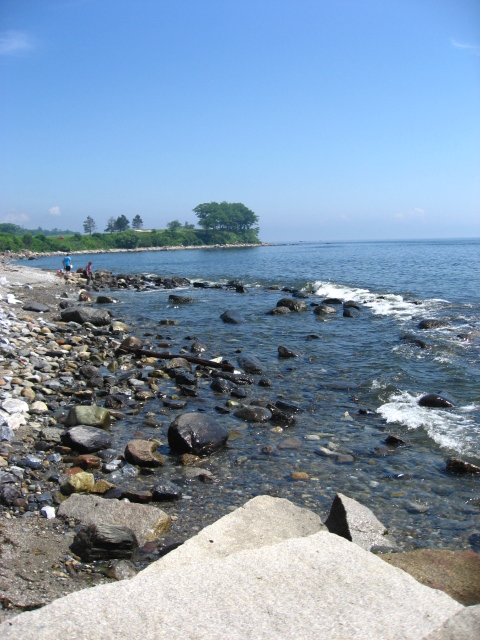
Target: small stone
{"x": 299, "y": 475}
{"x": 143, "y": 453}
{"x": 82, "y": 481}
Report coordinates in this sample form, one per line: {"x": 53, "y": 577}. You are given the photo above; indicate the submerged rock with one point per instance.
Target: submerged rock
{"x": 431, "y": 324}
{"x": 251, "y": 364}
{"x": 455, "y": 465}
{"x": 253, "y": 414}
{"x": 293, "y": 304}
{"x": 232, "y": 317}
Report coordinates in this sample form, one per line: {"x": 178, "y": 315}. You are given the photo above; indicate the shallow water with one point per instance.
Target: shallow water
{"x": 354, "y": 363}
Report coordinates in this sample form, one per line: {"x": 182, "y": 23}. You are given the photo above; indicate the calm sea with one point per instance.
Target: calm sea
{"x": 351, "y": 364}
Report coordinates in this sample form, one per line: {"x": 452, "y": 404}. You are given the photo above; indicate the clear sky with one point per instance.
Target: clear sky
{"x": 331, "y": 119}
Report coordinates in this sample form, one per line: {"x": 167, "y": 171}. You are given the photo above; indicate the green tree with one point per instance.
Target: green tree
{"x": 188, "y": 225}
{"x": 27, "y": 240}
{"x": 137, "y": 222}
{"x": 228, "y": 216}
{"x": 122, "y": 223}
{"x": 173, "y": 226}
{"x": 89, "y": 225}
{"x": 110, "y": 225}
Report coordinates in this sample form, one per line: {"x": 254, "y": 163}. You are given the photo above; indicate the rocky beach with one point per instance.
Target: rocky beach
{"x": 81, "y": 506}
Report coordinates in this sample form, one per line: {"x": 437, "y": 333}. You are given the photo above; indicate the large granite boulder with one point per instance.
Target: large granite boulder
{"x": 357, "y": 523}
{"x": 318, "y": 586}
{"x": 196, "y": 433}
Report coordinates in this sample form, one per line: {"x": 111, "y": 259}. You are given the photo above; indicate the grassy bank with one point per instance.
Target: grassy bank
{"x": 129, "y": 239}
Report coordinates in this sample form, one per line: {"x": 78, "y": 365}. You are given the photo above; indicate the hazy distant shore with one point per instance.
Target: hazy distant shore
{"x": 19, "y": 255}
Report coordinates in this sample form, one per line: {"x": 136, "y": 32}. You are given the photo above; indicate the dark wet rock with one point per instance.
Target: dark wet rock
{"x": 302, "y": 295}
{"x": 279, "y": 311}
{"x": 116, "y": 401}
{"x": 265, "y": 382}
{"x": 455, "y": 465}
{"x": 188, "y": 390}
{"x": 436, "y": 401}
{"x": 240, "y": 288}
{"x": 324, "y": 310}
{"x": 239, "y": 379}
{"x": 88, "y": 371}
{"x": 292, "y": 304}
{"x": 131, "y": 344}
{"x": 332, "y": 301}
{"x": 222, "y": 410}
{"x": 91, "y": 415}
{"x": 38, "y": 307}
{"x": 284, "y": 352}
{"x": 351, "y": 304}
{"x": 394, "y": 441}
{"x": 312, "y": 336}
{"x": 220, "y": 385}
{"x": 98, "y": 542}
{"x": 232, "y": 317}
{"x": 238, "y": 393}
{"x": 251, "y": 364}
{"x": 411, "y": 339}
{"x": 175, "y": 405}
{"x": 350, "y": 312}
{"x": 196, "y": 433}
{"x": 198, "y": 347}
{"x": 281, "y": 417}
{"x": 86, "y": 439}
{"x": 288, "y": 407}
{"x": 169, "y": 322}
{"x": 165, "y": 491}
{"x": 81, "y": 315}
{"x": 105, "y": 300}
{"x": 431, "y": 324}
{"x": 355, "y": 522}
{"x": 183, "y": 377}
{"x": 143, "y": 453}
{"x": 253, "y": 414}
{"x": 174, "y": 299}
{"x": 138, "y": 496}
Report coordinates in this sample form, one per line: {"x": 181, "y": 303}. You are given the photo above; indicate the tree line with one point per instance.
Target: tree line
{"x": 219, "y": 223}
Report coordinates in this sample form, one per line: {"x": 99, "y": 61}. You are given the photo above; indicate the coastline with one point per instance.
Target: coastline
{"x": 32, "y": 333}
{"x": 32, "y": 255}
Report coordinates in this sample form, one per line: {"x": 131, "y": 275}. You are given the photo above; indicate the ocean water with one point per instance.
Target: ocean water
{"x": 351, "y": 364}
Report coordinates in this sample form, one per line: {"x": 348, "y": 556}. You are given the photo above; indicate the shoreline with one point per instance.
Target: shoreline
{"x": 33, "y": 255}
{"x": 33, "y": 579}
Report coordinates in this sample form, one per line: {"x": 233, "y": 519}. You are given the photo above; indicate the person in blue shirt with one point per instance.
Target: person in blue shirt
{"x": 67, "y": 263}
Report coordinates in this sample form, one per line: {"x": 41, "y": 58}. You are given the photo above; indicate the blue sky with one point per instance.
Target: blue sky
{"x": 331, "y": 119}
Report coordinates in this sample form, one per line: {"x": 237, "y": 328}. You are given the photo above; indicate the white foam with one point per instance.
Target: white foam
{"x": 449, "y": 429}
{"x": 381, "y": 304}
